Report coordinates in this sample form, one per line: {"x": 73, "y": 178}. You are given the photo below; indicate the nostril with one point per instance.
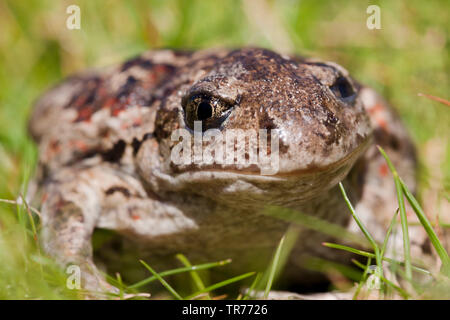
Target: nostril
{"x": 342, "y": 88}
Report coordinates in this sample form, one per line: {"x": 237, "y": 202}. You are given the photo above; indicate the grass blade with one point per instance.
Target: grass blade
{"x": 388, "y": 234}
{"x": 316, "y": 224}
{"x": 403, "y": 218}
{"x": 443, "y": 255}
{"x": 163, "y": 282}
{"x": 275, "y": 261}
{"x": 438, "y": 99}
{"x": 366, "y": 233}
{"x": 363, "y": 278}
{"x": 371, "y": 255}
{"x": 326, "y": 267}
{"x": 252, "y": 286}
{"x": 195, "y": 276}
{"x": 119, "y": 281}
{"x": 402, "y": 292}
{"x": 180, "y": 270}
{"x": 220, "y": 285}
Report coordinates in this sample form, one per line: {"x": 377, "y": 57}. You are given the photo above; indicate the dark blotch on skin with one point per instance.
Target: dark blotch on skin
{"x": 136, "y": 144}
{"x": 386, "y": 139}
{"x": 120, "y": 189}
{"x": 138, "y": 61}
{"x": 127, "y": 87}
{"x": 335, "y": 130}
{"x": 166, "y": 123}
{"x": 85, "y": 102}
{"x": 115, "y": 153}
{"x": 426, "y": 247}
{"x": 266, "y": 122}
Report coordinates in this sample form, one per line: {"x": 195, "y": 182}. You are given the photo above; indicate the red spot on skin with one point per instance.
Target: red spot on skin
{"x": 382, "y": 124}
{"x": 105, "y": 133}
{"x": 109, "y": 103}
{"x": 53, "y": 149}
{"x": 61, "y": 203}
{"x": 376, "y": 108}
{"x": 118, "y": 107}
{"x": 160, "y": 68}
{"x": 101, "y": 92}
{"x": 151, "y": 78}
{"x": 157, "y": 73}
{"x": 116, "y": 110}
{"x": 80, "y": 145}
{"x": 54, "y": 146}
{"x": 137, "y": 122}
{"x": 383, "y": 170}
{"x": 84, "y": 114}
{"x": 135, "y": 217}
{"x": 44, "y": 197}
{"x": 80, "y": 101}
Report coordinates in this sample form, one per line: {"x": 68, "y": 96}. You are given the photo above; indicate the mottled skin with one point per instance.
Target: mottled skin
{"x": 105, "y": 140}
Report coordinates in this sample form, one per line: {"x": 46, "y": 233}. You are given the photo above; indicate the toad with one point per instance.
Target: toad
{"x": 109, "y": 159}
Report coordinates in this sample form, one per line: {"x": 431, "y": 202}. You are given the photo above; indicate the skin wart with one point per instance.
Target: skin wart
{"x": 104, "y": 140}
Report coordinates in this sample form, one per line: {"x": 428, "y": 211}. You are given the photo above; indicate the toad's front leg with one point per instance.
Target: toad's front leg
{"x": 72, "y": 205}
{"x": 76, "y": 200}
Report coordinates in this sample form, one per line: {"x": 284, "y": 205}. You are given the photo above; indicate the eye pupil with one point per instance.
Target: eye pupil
{"x": 204, "y": 111}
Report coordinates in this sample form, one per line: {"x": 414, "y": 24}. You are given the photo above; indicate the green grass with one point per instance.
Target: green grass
{"x": 402, "y": 191}
{"x": 376, "y": 248}
{"x": 408, "y": 56}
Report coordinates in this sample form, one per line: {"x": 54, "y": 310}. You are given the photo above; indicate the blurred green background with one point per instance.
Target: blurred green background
{"x": 409, "y": 55}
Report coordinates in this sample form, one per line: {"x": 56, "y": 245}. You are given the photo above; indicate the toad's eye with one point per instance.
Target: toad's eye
{"x": 342, "y": 88}
{"x": 210, "y": 110}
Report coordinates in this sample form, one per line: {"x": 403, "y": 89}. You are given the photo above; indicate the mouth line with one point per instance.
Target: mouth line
{"x": 310, "y": 170}
{"x": 316, "y": 169}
